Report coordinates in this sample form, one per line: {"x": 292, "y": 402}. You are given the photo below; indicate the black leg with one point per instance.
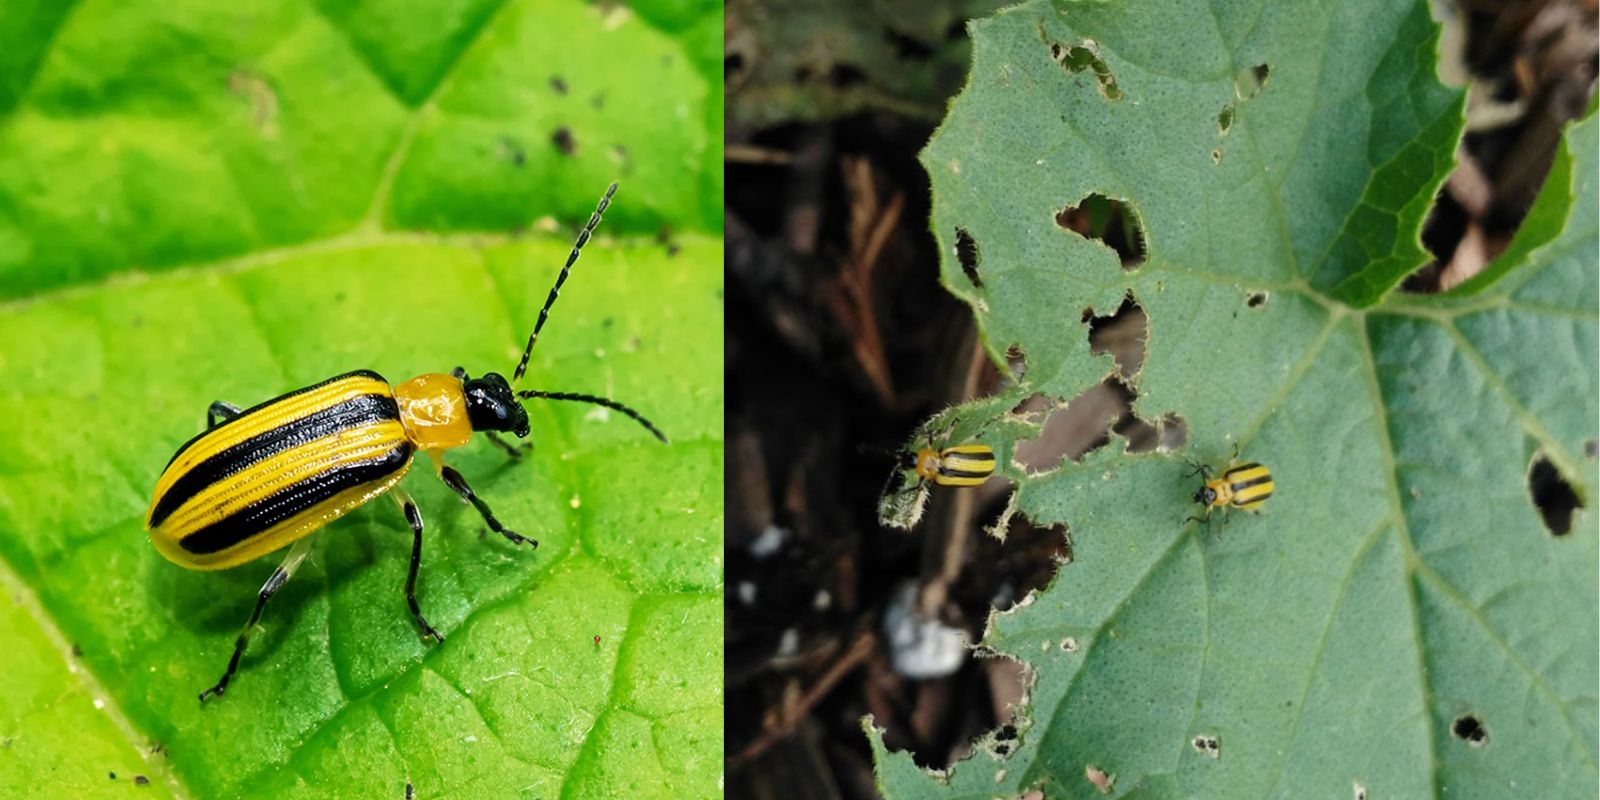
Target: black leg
{"x": 515, "y": 451}
{"x": 275, "y": 581}
{"x": 414, "y": 519}
{"x": 221, "y": 412}
{"x": 454, "y": 480}
{"x": 459, "y": 373}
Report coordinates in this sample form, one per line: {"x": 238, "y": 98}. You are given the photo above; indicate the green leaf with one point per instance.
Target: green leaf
{"x": 153, "y": 135}
{"x": 1400, "y": 584}
{"x": 342, "y": 231}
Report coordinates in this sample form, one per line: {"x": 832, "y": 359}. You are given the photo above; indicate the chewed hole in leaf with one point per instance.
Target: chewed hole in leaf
{"x": 1086, "y": 57}
{"x": 1109, "y": 221}
{"x": 1359, "y": 791}
{"x": 1216, "y": 155}
{"x": 1248, "y": 82}
{"x": 967, "y": 254}
{"x": 1122, "y": 334}
{"x": 1207, "y": 745}
{"x": 1468, "y": 728}
{"x": 1256, "y": 299}
{"x": 1168, "y": 434}
{"x": 1072, "y": 430}
{"x": 1552, "y": 495}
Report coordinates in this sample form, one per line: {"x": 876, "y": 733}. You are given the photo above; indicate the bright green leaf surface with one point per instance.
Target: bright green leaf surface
{"x": 225, "y": 147}
{"x": 147, "y": 135}
{"x": 1401, "y": 576}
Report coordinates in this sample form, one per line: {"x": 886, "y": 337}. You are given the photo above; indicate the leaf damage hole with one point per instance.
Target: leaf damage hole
{"x": 1468, "y": 728}
{"x": 1256, "y": 299}
{"x": 1207, "y": 745}
{"x": 1111, "y": 222}
{"x": 1121, "y": 334}
{"x": 1216, "y": 155}
{"x": 1247, "y": 83}
{"x": 1555, "y": 498}
{"x": 967, "y": 254}
{"x": 1100, "y": 779}
{"x": 1086, "y": 56}
{"x": 1360, "y": 790}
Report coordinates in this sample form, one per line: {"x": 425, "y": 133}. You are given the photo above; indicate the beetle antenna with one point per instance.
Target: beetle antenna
{"x": 597, "y": 400}
{"x": 544, "y": 313}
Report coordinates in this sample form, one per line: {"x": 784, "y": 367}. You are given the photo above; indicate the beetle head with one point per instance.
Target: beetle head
{"x": 492, "y": 407}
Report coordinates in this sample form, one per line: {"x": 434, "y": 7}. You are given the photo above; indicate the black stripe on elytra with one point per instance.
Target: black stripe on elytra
{"x": 291, "y": 500}
{"x": 358, "y": 373}
{"x": 359, "y": 410}
{"x": 963, "y": 473}
{"x": 1256, "y": 481}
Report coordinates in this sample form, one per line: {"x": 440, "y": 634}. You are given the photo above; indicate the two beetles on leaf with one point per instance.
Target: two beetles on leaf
{"x": 1243, "y": 486}
{"x": 266, "y": 477}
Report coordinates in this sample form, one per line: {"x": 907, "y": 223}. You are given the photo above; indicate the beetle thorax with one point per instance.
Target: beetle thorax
{"x": 927, "y": 463}
{"x": 434, "y": 411}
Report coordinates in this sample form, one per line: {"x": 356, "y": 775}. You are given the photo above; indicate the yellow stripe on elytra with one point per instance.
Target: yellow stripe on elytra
{"x": 230, "y": 495}
{"x": 273, "y": 416}
{"x": 281, "y": 534}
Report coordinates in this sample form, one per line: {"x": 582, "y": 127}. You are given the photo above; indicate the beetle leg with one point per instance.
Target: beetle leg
{"x": 455, "y": 481}
{"x": 275, "y": 581}
{"x": 459, "y": 373}
{"x": 515, "y": 451}
{"x": 220, "y": 412}
{"x": 414, "y": 519}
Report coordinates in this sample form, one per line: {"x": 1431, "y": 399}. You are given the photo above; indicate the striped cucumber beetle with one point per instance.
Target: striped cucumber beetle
{"x": 1243, "y": 486}
{"x": 903, "y": 500}
{"x": 266, "y": 477}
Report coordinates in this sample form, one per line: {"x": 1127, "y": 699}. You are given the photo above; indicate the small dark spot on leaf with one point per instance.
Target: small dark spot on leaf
{"x": 1069, "y": 645}
{"x": 564, "y": 142}
{"x": 77, "y": 651}
{"x": 1207, "y": 745}
{"x": 411, "y": 792}
{"x": 1591, "y": 448}
{"x": 558, "y": 84}
{"x": 1552, "y": 495}
{"x": 666, "y": 60}
{"x": 598, "y": 101}
{"x": 338, "y": 297}
{"x": 1468, "y": 728}
{"x": 967, "y": 254}
{"x": 1216, "y": 155}
{"x": 1078, "y": 58}
{"x": 140, "y": 780}
{"x": 137, "y": 322}
{"x": 607, "y": 322}
{"x": 1109, "y": 221}
{"x": 1225, "y": 119}
{"x": 1256, "y": 299}
{"x": 1360, "y": 791}
{"x": 113, "y": 775}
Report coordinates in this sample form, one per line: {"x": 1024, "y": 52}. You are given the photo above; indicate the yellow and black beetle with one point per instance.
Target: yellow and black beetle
{"x": 1243, "y": 486}
{"x": 263, "y": 478}
{"x": 968, "y": 464}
